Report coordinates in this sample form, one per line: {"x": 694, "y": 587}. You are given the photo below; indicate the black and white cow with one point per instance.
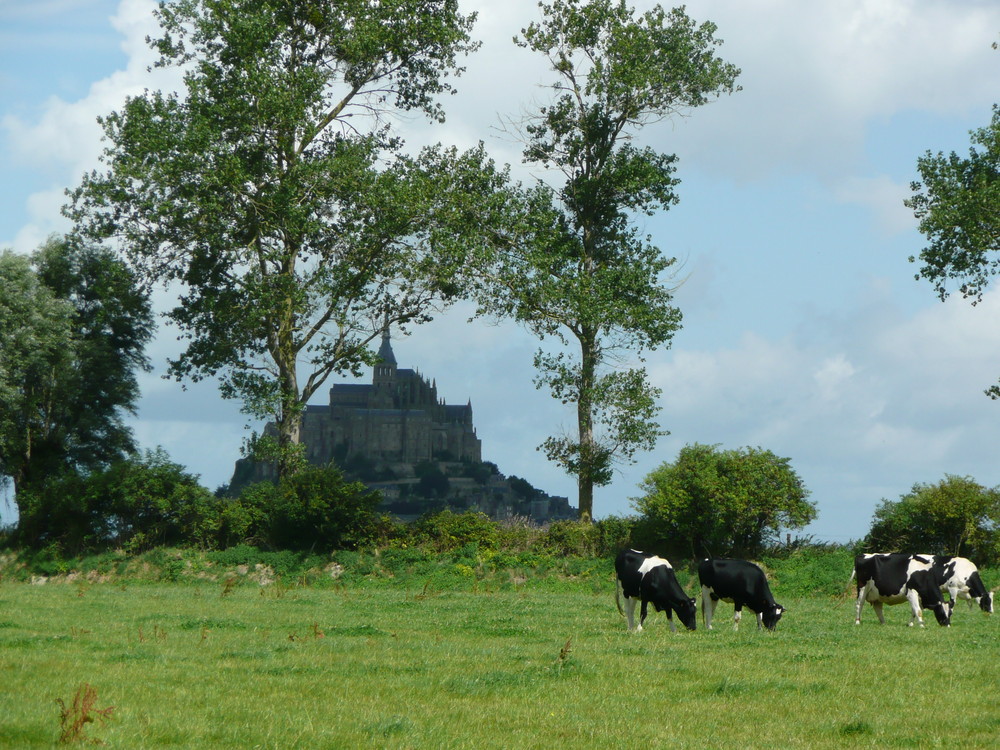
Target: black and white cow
{"x": 896, "y": 578}
{"x": 742, "y": 583}
{"x": 648, "y": 578}
{"x": 959, "y": 576}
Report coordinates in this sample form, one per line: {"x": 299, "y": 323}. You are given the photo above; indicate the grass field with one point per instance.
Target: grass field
{"x": 194, "y": 666}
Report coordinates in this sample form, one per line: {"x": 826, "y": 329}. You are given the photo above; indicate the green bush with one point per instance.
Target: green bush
{"x": 241, "y": 554}
{"x": 519, "y": 534}
{"x": 318, "y": 509}
{"x": 565, "y": 538}
{"x": 811, "y": 570}
{"x": 404, "y": 560}
{"x": 614, "y": 534}
{"x": 138, "y": 503}
{"x": 245, "y": 521}
{"x": 445, "y": 531}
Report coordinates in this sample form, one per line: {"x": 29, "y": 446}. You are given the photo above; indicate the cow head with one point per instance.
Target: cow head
{"x": 771, "y": 615}
{"x": 687, "y": 613}
{"x": 942, "y": 612}
{"x": 986, "y": 603}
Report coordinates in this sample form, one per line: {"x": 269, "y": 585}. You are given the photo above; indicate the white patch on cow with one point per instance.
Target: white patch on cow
{"x": 653, "y": 562}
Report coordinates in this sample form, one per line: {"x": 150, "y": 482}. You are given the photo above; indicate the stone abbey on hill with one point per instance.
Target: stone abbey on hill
{"x": 398, "y": 436}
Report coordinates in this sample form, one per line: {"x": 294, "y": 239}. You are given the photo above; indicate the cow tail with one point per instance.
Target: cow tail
{"x": 618, "y": 599}
{"x": 847, "y": 589}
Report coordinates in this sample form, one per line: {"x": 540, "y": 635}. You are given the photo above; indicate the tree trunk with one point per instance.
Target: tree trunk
{"x": 585, "y": 426}
{"x": 289, "y": 458}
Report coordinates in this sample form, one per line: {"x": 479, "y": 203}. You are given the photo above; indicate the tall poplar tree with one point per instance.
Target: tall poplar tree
{"x": 275, "y": 196}
{"x": 587, "y": 278}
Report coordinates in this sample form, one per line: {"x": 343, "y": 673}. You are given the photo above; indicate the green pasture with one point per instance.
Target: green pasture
{"x": 191, "y": 665}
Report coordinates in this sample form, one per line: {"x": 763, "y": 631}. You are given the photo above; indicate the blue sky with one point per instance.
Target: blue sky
{"x": 804, "y": 330}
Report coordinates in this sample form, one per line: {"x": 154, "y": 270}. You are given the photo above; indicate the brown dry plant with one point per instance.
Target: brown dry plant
{"x": 73, "y": 719}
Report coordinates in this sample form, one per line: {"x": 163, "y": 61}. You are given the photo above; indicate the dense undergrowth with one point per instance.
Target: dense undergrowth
{"x": 809, "y": 570}
{"x": 440, "y": 552}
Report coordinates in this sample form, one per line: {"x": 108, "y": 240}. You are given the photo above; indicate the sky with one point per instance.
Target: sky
{"x": 805, "y": 332}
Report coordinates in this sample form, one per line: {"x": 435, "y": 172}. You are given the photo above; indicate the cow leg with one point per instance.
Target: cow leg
{"x": 760, "y": 620}
{"x": 737, "y": 615}
{"x": 642, "y": 613}
{"x": 630, "y": 612}
{"x": 861, "y": 604}
{"x": 670, "y": 619}
{"x": 707, "y": 608}
{"x": 918, "y": 615}
{"x": 877, "y": 606}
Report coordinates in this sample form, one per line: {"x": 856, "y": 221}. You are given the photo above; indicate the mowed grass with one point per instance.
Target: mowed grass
{"x": 186, "y": 666}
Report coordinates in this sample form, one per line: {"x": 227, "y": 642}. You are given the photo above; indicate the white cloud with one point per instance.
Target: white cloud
{"x": 883, "y": 197}
{"x": 833, "y": 377}
{"x": 65, "y": 141}
{"x": 817, "y": 74}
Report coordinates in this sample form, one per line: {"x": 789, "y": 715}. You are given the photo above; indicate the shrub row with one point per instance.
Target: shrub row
{"x": 149, "y": 501}
{"x": 818, "y": 571}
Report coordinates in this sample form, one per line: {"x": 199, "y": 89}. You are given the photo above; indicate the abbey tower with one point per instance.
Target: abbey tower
{"x": 398, "y": 419}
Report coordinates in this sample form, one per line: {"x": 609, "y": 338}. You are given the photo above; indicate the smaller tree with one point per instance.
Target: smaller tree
{"x": 722, "y": 502}
{"x": 956, "y": 516}
{"x": 73, "y": 327}
{"x": 36, "y": 344}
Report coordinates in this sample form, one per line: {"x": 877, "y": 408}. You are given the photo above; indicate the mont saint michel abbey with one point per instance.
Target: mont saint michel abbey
{"x": 399, "y": 437}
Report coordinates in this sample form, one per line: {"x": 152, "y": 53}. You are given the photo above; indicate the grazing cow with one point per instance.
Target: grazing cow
{"x": 743, "y": 584}
{"x": 648, "y": 578}
{"x": 960, "y": 578}
{"x": 896, "y": 578}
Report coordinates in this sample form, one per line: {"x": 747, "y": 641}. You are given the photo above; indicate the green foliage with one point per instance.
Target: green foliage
{"x": 721, "y": 503}
{"x": 810, "y": 570}
{"x": 955, "y": 205}
{"x": 317, "y": 509}
{"x": 75, "y": 323}
{"x": 433, "y": 483}
{"x": 955, "y": 516}
{"x": 614, "y": 533}
{"x": 137, "y": 503}
{"x": 446, "y": 531}
{"x": 479, "y": 471}
{"x": 36, "y": 345}
{"x": 565, "y": 538}
{"x": 275, "y": 192}
{"x": 581, "y": 273}
{"x": 955, "y": 202}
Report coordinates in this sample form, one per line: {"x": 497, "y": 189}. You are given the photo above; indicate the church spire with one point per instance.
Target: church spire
{"x": 384, "y": 373}
{"x": 385, "y": 350}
